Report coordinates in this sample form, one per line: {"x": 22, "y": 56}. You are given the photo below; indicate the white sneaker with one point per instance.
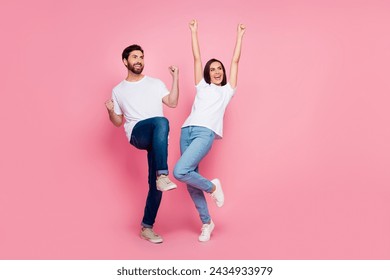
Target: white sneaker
{"x": 218, "y": 195}
{"x": 207, "y": 229}
{"x": 150, "y": 235}
{"x": 164, "y": 184}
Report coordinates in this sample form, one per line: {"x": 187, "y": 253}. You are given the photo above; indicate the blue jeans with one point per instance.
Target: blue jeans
{"x": 195, "y": 143}
{"x": 152, "y": 135}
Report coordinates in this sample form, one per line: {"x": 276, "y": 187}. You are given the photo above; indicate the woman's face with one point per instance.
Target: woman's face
{"x": 216, "y": 73}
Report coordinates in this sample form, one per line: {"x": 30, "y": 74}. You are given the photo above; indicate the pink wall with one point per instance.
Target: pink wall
{"x": 305, "y": 157}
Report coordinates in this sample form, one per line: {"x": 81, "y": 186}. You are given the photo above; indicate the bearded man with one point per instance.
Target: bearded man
{"x": 137, "y": 102}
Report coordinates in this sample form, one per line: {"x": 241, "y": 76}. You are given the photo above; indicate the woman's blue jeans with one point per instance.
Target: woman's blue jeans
{"x": 195, "y": 143}
{"x": 152, "y": 135}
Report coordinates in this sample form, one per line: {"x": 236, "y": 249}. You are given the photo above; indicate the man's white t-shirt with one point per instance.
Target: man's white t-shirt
{"x": 138, "y": 101}
{"x": 209, "y": 106}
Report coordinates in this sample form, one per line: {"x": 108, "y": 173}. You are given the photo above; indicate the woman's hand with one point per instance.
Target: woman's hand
{"x": 193, "y": 25}
{"x": 241, "y": 29}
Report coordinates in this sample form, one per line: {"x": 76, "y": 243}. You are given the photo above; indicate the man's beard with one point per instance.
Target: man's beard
{"x": 135, "y": 70}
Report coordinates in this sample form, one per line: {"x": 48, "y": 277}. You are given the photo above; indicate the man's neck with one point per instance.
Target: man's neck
{"x": 132, "y": 77}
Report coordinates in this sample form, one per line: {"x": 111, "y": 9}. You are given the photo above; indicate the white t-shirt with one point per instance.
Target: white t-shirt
{"x": 138, "y": 101}
{"x": 209, "y": 106}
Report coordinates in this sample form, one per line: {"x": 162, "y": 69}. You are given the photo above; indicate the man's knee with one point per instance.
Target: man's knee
{"x": 161, "y": 122}
{"x": 161, "y": 128}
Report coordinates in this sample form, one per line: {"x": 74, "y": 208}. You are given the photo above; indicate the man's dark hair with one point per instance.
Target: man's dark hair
{"x": 206, "y": 72}
{"x": 126, "y": 52}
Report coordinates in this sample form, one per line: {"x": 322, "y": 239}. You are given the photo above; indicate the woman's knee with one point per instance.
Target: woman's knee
{"x": 178, "y": 172}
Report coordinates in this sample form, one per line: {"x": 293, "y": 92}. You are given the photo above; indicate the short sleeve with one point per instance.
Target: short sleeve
{"x": 117, "y": 108}
{"x": 163, "y": 89}
{"x": 201, "y": 84}
{"x": 229, "y": 90}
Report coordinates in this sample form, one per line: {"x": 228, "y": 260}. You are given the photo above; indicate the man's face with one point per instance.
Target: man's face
{"x": 135, "y": 62}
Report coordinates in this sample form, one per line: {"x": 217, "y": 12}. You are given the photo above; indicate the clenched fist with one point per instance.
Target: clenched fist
{"x": 174, "y": 70}
{"x": 109, "y": 105}
{"x": 241, "y": 29}
{"x": 193, "y": 25}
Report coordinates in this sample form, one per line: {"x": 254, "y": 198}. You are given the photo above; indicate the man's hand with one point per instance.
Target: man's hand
{"x": 173, "y": 70}
{"x": 110, "y": 105}
{"x": 117, "y": 120}
{"x": 172, "y": 98}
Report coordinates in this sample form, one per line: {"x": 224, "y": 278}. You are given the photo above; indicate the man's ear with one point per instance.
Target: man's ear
{"x": 125, "y": 62}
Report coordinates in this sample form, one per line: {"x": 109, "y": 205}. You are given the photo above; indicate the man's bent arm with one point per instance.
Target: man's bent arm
{"x": 172, "y": 99}
{"x": 117, "y": 120}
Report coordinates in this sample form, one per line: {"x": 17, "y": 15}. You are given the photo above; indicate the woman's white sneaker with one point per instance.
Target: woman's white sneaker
{"x": 207, "y": 229}
{"x": 218, "y": 195}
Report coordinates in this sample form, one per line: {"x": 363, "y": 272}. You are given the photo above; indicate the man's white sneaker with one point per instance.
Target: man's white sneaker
{"x": 207, "y": 229}
{"x": 218, "y": 195}
{"x": 150, "y": 235}
{"x": 164, "y": 184}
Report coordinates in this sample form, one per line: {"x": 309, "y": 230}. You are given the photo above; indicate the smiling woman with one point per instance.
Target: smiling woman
{"x": 204, "y": 124}
{"x": 214, "y": 72}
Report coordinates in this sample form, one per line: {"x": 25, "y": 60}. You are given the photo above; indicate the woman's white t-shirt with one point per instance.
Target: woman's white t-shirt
{"x": 209, "y": 106}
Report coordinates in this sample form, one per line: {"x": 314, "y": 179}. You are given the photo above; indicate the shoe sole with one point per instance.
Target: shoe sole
{"x": 151, "y": 240}
{"x": 167, "y": 189}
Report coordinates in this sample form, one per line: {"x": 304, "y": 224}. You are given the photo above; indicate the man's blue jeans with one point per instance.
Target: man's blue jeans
{"x": 195, "y": 143}
{"x": 152, "y": 135}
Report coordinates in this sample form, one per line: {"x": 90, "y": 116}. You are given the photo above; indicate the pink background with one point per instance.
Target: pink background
{"x": 304, "y": 161}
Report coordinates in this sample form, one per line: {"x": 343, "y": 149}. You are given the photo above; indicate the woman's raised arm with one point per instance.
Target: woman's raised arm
{"x": 236, "y": 56}
{"x": 198, "y": 70}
